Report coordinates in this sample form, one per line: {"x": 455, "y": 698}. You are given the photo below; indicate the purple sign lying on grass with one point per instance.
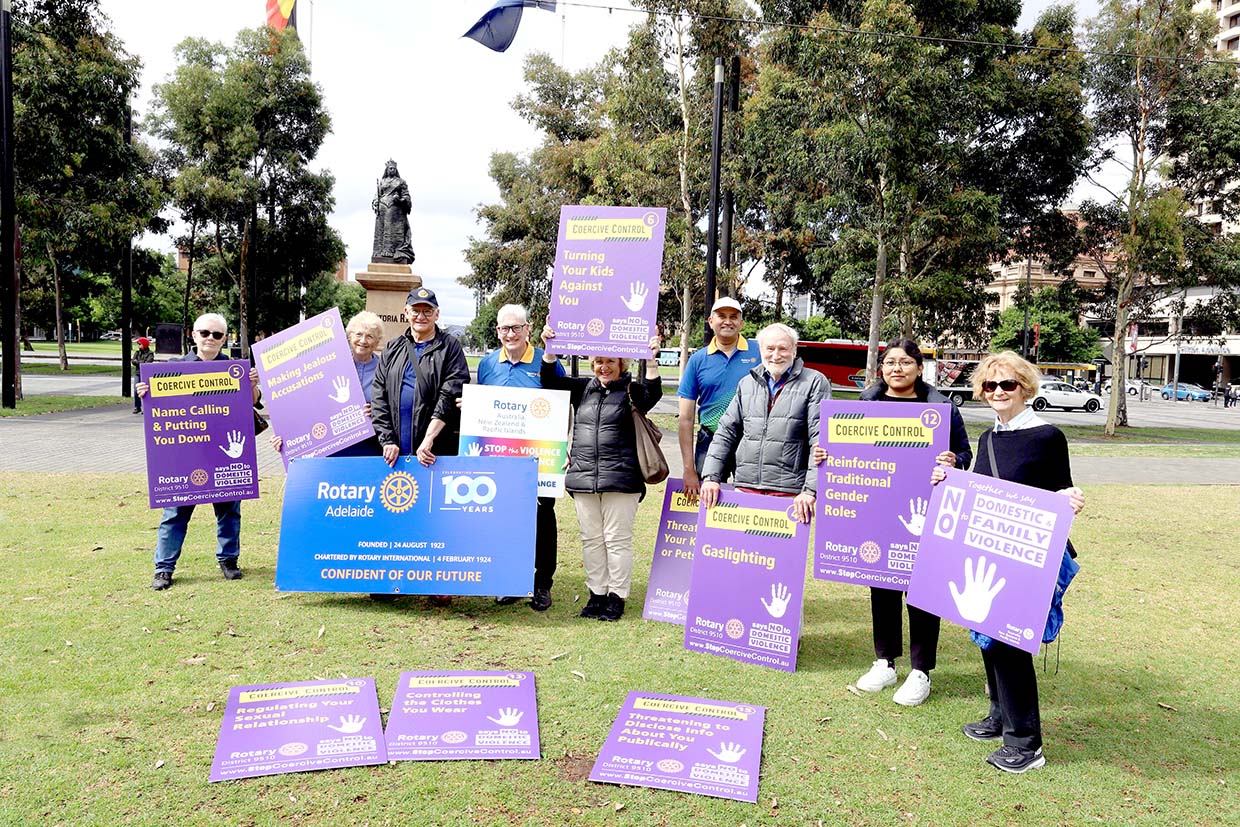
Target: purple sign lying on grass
{"x": 748, "y": 581}
{"x": 441, "y": 716}
{"x": 310, "y": 388}
{"x": 990, "y": 556}
{"x": 199, "y": 420}
{"x": 667, "y": 592}
{"x": 605, "y": 291}
{"x": 874, "y": 488}
{"x": 273, "y": 728}
{"x": 692, "y": 745}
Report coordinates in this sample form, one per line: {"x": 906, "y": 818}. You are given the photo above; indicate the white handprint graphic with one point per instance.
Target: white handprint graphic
{"x": 728, "y": 753}
{"x": 637, "y": 296}
{"x": 474, "y": 450}
{"x": 236, "y": 444}
{"x": 779, "y": 600}
{"x": 974, "y": 602}
{"x": 341, "y": 385}
{"x": 507, "y": 717}
{"x": 916, "y": 516}
{"x": 349, "y": 724}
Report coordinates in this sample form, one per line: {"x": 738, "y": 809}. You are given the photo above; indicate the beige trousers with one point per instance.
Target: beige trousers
{"x": 607, "y": 540}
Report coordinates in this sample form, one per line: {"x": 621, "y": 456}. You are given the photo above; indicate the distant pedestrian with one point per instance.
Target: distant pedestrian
{"x": 143, "y": 355}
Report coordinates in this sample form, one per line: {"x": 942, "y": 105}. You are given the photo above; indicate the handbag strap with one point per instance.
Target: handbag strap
{"x": 990, "y": 454}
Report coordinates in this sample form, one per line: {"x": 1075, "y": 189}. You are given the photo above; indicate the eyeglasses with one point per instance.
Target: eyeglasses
{"x": 422, "y": 314}
{"x": 1008, "y": 385}
{"x": 212, "y": 334}
{"x": 511, "y": 328}
{"x": 365, "y": 337}
{"x": 900, "y": 363}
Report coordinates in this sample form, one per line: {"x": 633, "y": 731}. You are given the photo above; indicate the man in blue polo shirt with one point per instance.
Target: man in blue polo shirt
{"x": 516, "y": 364}
{"x": 708, "y": 385}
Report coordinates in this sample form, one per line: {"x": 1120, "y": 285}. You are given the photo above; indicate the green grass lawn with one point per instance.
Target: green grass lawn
{"x": 112, "y": 694}
{"x": 53, "y": 368}
{"x": 34, "y": 405}
{"x": 108, "y": 348}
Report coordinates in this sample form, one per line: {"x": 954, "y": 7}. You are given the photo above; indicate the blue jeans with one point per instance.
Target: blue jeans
{"x": 175, "y": 522}
{"x": 702, "y": 448}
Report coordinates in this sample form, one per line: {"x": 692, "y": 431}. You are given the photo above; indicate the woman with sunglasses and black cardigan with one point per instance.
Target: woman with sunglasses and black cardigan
{"x": 1021, "y": 448}
{"x": 900, "y": 381}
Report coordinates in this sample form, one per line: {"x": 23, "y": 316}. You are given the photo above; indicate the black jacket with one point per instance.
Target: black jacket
{"x": 441, "y": 373}
{"x": 959, "y": 440}
{"x": 604, "y": 453}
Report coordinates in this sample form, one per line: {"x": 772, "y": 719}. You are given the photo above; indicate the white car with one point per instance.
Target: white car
{"x": 1055, "y": 394}
{"x": 1132, "y": 386}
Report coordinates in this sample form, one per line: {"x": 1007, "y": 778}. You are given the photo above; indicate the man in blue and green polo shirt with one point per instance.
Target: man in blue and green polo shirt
{"x": 516, "y": 364}
{"x": 709, "y": 383}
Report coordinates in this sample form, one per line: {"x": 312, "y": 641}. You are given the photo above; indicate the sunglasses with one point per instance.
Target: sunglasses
{"x": 1008, "y": 385}
{"x": 213, "y": 334}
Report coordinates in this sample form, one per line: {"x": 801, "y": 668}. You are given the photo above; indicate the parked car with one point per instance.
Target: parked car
{"x": 111, "y": 336}
{"x": 1055, "y": 394}
{"x": 1186, "y": 390}
{"x": 1132, "y": 386}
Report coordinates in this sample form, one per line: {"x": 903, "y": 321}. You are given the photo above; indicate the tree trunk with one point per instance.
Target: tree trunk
{"x": 906, "y": 313}
{"x": 189, "y": 279}
{"x": 242, "y": 309}
{"x": 686, "y": 203}
{"x": 60, "y": 325}
{"x": 876, "y": 308}
{"x": 686, "y": 298}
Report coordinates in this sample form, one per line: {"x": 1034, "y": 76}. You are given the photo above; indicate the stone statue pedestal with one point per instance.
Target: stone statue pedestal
{"x": 387, "y": 285}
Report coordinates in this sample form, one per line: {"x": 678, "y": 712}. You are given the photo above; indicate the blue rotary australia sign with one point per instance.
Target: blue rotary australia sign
{"x": 463, "y": 526}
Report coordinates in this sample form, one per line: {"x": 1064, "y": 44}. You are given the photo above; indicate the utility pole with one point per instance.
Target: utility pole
{"x": 8, "y": 217}
{"x": 712, "y": 219}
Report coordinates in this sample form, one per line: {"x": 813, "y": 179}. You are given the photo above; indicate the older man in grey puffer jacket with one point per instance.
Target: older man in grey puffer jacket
{"x": 772, "y": 426}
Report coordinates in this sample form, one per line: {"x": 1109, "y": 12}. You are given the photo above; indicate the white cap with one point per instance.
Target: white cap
{"x": 726, "y": 301}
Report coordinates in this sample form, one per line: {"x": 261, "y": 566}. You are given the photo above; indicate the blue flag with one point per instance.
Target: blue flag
{"x": 498, "y": 27}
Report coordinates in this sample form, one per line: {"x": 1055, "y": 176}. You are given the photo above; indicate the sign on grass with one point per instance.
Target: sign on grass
{"x": 441, "y": 716}
{"x": 275, "y": 728}
{"x": 692, "y": 745}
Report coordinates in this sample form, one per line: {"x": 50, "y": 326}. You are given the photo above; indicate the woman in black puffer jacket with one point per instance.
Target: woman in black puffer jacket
{"x": 604, "y": 478}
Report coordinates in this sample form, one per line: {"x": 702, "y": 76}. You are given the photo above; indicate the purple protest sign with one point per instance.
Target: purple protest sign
{"x": 605, "y": 293}
{"x": 692, "y": 745}
{"x": 310, "y": 388}
{"x": 442, "y": 716}
{"x": 667, "y": 592}
{"x": 990, "y": 556}
{"x": 748, "y": 581}
{"x": 274, "y": 728}
{"x": 874, "y": 488}
{"x": 199, "y": 423}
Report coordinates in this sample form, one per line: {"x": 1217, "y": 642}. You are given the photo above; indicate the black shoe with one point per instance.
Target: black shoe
{"x": 161, "y": 581}
{"x": 230, "y": 570}
{"x": 595, "y": 605}
{"x": 1016, "y": 760}
{"x": 614, "y": 609}
{"x": 987, "y": 729}
{"x": 507, "y": 600}
{"x": 541, "y": 601}
{"x": 137, "y": 410}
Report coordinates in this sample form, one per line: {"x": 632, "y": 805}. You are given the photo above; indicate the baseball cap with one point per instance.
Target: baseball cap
{"x": 420, "y": 295}
{"x": 726, "y": 301}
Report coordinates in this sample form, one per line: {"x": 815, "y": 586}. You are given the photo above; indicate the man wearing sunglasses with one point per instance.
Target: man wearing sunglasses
{"x": 515, "y": 364}
{"x": 210, "y": 332}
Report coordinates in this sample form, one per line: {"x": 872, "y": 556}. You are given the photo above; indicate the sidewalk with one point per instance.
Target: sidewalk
{"x": 109, "y": 440}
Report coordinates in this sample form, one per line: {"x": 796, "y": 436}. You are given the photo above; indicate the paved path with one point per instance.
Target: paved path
{"x": 109, "y": 440}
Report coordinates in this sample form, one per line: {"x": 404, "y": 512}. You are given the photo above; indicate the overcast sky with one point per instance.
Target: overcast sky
{"x": 400, "y": 82}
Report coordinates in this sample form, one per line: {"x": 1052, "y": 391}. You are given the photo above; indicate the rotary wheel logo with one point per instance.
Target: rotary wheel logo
{"x": 870, "y": 551}
{"x": 293, "y": 748}
{"x": 595, "y": 327}
{"x": 319, "y": 430}
{"x": 1028, "y": 633}
{"x": 454, "y": 736}
{"x": 540, "y": 408}
{"x": 198, "y": 476}
{"x": 670, "y": 765}
{"x": 734, "y": 629}
{"x": 399, "y": 492}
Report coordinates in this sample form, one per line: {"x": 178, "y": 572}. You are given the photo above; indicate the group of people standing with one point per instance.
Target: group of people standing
{"x": 757, "y": 408}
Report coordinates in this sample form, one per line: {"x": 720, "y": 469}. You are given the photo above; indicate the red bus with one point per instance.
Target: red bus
{"x": 842, "y": 361}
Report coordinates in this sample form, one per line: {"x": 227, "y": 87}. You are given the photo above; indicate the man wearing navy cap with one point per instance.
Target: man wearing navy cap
{"x": 416, "y": 386}
{"x": 708, "y": 384}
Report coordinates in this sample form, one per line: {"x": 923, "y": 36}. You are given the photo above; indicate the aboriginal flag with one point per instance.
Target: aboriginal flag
{"x": 282, "y": 13}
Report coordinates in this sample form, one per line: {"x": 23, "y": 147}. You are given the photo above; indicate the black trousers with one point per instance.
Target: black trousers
{"x": 1014, "y": 694}
{"x": 923, "y": 629}
{"x": 546, "y": 543}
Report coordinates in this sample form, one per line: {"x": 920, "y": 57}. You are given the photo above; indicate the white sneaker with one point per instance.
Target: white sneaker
{"x": 878, "y": 678}
{"x": 915, "y": 690}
